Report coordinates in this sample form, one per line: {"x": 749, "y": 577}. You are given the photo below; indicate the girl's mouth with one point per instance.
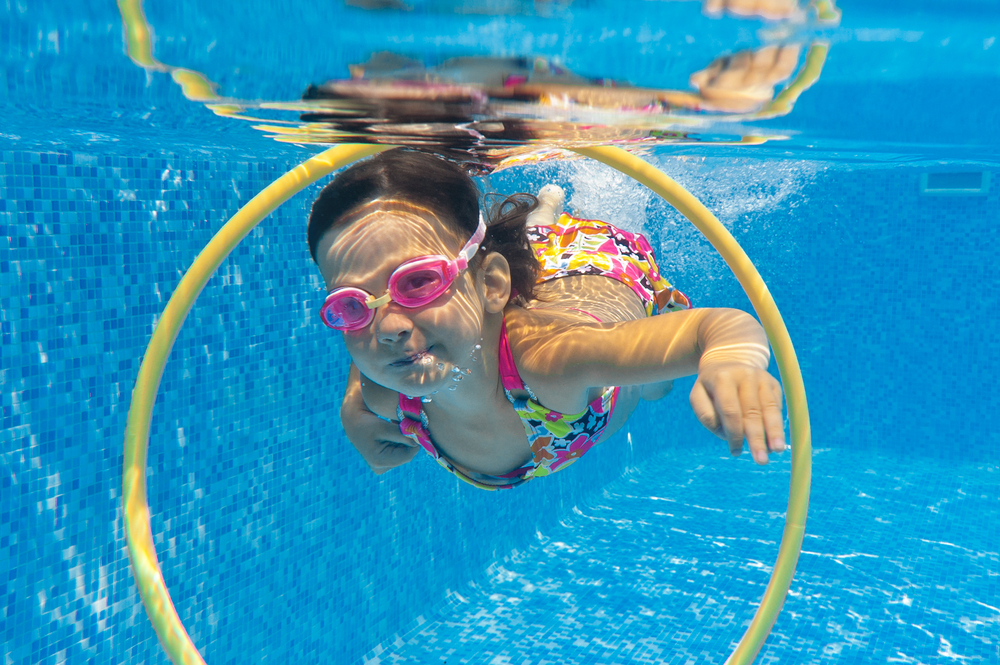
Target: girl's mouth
{"x": 418, "y": 357}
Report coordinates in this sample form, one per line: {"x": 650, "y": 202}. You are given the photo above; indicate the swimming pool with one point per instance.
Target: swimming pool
{"x": 275, "y": 541}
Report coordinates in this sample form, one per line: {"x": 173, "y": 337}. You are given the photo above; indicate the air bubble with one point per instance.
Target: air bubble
{"x": 455, "y": 370}
{"x": 426, "y": 360}
{"x": 440, "y": 366}
{"x": 457, "y": 377}
{"x": 426, "y": 400}
{"x": 452, "y": 387}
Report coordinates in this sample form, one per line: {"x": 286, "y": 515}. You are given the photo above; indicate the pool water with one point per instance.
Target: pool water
{"x": 275, "y": 540}
{"x": 660, "y": 564}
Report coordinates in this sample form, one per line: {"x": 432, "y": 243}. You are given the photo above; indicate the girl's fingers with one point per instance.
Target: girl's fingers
{"x": 380, "y": 443}
{"x": 390, "y": 432}
{"x": 720, "y": 414}
{"x": 762, "y": 419}
{"x": 704, "y": 410}
{"x": 390, "y": 455}
{"x": 735, "y": 408}
{"x": 774, "y": 422}
{"x": 787, "y": 61}
{"x": 725, "y": 402}
{"x": 713, "y": 6}
{"x": 753, "y": 423}
{"x": 759, "y": 71}
{"x": 703, "y": 78}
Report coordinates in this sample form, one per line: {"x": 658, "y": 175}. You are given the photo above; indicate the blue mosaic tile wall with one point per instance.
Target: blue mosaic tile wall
{"x": 891, "y": 299}
{"x": 275, "y": 540}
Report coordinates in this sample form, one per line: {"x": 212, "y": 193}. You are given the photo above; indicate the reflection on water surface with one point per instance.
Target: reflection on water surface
{"x": 493, "y": 110}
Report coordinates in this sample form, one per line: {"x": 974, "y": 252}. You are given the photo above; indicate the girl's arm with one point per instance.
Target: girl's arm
{"x": 380, "y": 443}
{"x": 734, "y": 397}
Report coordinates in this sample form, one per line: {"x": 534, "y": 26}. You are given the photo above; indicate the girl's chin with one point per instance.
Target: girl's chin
{"x": 418, "y": 380}
{"x": 426, "y": 389}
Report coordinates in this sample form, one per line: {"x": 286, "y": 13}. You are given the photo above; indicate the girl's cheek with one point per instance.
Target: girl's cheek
{"x": 357, "y": 347}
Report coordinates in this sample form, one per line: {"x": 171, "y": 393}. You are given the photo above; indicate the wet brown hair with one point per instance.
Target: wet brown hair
{"x": 440, "y": 186}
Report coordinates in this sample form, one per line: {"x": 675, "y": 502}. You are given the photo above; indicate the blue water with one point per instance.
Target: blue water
{"x": 662, "y": 563}
{"x": 277, "y": 543}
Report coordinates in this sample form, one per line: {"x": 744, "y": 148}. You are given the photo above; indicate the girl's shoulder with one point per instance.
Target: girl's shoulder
{"x": 534, "y": 326}
{"x": 543, "y": 344}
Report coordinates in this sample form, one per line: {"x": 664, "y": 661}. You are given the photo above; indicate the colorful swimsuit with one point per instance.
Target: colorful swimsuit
{"x": 574, "y": 246}
{"x": 569, "y": 247}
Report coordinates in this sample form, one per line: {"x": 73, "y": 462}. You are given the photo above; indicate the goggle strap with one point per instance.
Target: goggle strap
{"x": 374, "y": 302}
{"x": 472, "y": 246}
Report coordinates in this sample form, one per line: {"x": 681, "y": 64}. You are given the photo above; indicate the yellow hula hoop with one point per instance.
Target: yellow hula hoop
{"x": 142, "y": 553}
{"x": 788, "y": 367}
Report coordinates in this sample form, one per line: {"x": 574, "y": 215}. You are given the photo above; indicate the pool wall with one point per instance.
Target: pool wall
{"x": 275, "y": 540}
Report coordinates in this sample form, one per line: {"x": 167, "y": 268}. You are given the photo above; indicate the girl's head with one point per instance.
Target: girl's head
{"x": 442, "y": 188}
{"x": 395, "y": 208}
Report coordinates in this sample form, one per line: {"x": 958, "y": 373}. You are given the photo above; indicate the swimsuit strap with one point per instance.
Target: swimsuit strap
{"x": 411, "y": 407}
{"x": 415, "y": 426}
{"x": 510, "y": 378}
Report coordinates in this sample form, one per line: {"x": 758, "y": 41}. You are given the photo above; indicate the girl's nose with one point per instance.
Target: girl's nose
{"x": 393, "y": 325}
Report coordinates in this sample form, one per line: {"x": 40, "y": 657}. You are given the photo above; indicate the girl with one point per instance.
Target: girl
{"x": 506, "y": 349}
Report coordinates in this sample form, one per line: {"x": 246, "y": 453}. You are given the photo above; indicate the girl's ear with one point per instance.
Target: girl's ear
{"x": 494, "y": 275}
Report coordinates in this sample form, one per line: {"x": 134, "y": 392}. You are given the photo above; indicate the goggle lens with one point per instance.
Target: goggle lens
{"x": 346, "y": 312}
{"x": 418, "y": 287}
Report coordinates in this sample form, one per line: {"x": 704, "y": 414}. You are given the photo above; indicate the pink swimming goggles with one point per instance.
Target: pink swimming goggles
{"x": 416, "y": 283}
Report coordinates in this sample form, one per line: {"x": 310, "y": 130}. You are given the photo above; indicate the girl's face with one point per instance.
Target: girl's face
{"x": 412, "y": 351}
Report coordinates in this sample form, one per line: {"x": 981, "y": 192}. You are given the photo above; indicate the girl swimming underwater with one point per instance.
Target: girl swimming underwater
{"x": 506, "y": 349}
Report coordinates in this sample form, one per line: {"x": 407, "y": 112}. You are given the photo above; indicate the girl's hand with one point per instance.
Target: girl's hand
{"x": 773, "y": 10}
{"x": 737, "y": 401}
{"x": 745, "y": 81}
{"x": 380, "y": 443}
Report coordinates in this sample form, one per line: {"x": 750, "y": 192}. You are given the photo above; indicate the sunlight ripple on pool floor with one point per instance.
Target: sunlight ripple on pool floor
{"x": 667, "y": 565}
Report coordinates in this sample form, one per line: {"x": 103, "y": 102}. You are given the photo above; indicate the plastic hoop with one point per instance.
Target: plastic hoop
{"x": 142, "y": 553}
{"x": 788, "y": 368}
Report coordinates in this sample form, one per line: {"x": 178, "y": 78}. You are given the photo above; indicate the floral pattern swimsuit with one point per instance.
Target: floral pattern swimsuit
{"x": 571, "y": 246}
